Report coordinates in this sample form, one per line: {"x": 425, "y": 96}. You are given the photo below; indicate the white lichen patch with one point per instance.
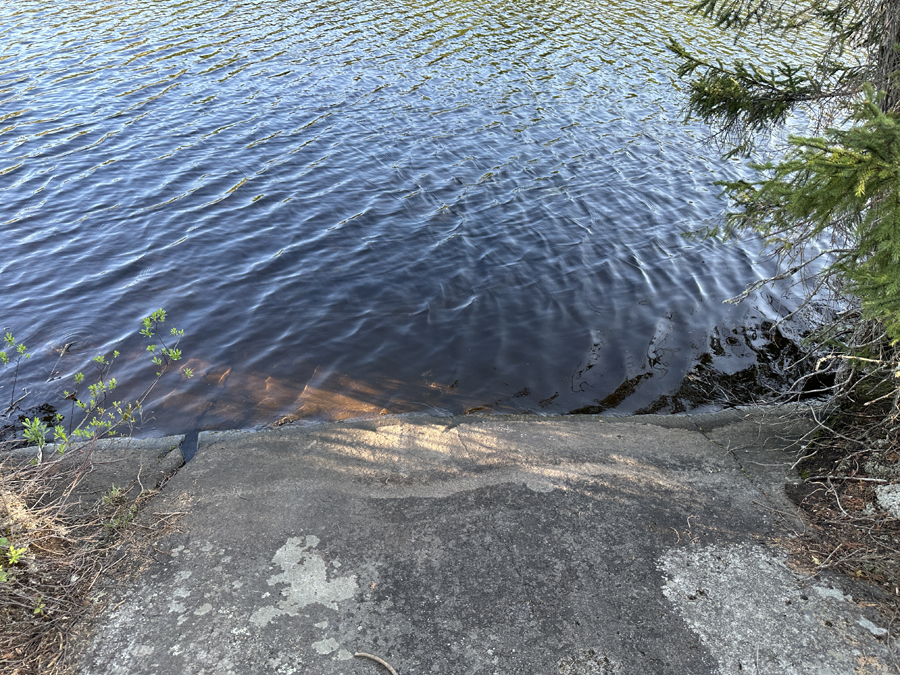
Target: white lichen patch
{"x": 305, "y": 574}
{"x": 874, "y": 629}
{"x": 755, "y": 615}
{"x": 325, "y": 646}
{"x": 831, "y": 594}
{"x": 178, "y": 594}
{"x": 888, "y": 497}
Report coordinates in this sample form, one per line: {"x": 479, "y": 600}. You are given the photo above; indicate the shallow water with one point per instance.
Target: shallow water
{"x": 358, "y": 207}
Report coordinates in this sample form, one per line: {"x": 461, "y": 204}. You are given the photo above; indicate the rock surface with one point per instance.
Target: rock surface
{"x": 483, "y": 545}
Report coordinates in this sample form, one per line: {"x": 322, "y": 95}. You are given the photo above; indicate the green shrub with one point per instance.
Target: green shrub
{"x": 101, "y": 415}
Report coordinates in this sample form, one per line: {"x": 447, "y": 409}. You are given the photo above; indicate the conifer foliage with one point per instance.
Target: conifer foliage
{"x": 833, "y": 197}
{"x": 844, "y": 186}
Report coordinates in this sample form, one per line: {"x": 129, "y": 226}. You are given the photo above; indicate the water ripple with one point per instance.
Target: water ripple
{"x": 356, "y": 207}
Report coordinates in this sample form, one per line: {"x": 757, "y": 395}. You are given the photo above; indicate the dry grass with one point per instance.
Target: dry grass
{"x": 69, "y": 546}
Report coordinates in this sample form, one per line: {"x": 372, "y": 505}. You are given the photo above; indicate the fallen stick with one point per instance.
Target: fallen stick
{"x": 376, "y": 660}
{"x": 869, "y": 480}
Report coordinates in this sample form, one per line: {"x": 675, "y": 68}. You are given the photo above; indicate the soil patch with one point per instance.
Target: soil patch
{"x": 850, "y": 531}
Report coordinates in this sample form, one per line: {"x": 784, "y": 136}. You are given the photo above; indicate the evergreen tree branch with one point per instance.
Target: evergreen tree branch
{"x": 846, "y": 186}
{"x": 780, "y": 15}
{"x": 742, "y": 101}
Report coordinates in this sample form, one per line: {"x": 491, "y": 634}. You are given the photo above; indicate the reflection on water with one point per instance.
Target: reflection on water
{"x": 357, "y": 207}
{"x": 254, "y": 397}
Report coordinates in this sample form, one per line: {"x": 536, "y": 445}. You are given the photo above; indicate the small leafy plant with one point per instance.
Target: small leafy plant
{"x": 19, "y": 352}
{"x": 9, "y": 555}
{"x": 113, "y": 495}
{"x": 102, "y": 415}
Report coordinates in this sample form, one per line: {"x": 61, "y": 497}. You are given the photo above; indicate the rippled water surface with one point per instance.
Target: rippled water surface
{"x": 353, "y": 207}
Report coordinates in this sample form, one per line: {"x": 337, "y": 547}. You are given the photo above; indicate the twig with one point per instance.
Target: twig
{"x": 822, "y": 425}
{"x": 836, "y": 498}
{"x": 880, "y": 398}
{"x": 376, "y": 660}
{"x": 63, "y": 352}
{"x": 794, "y": 465}
{"x": 13, "y": 404}
{"x": 848, "y": 357}
{"x": 869, "y": 480}
{"x": 762, "y": 464}
{"x": 825, "y": 562}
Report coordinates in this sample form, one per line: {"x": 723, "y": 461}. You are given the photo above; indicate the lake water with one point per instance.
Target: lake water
{"x": 358, "y": 207}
